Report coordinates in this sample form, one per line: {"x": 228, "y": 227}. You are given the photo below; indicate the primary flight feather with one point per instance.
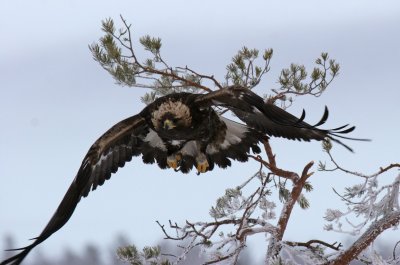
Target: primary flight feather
{"x": 182, "y": 131}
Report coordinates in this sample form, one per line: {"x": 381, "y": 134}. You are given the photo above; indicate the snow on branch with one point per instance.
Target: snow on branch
{"x": 371, "y": 209}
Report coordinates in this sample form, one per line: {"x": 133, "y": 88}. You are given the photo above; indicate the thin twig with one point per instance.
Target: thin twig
{"x": 334, "y": 246}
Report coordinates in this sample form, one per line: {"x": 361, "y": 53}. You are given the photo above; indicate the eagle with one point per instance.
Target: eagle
{"x": 183, "y": 131}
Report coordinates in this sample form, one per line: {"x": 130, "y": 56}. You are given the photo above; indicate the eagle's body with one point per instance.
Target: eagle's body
{"x": 197, "y": 137}
{"x": 182, "y": 131}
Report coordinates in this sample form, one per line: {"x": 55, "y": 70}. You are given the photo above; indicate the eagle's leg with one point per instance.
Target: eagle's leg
{"x": 202, "y": 163}
{"x": 174, "y": 160}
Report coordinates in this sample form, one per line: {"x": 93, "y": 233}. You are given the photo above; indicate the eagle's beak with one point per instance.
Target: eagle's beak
{"x": 168, "y": 124}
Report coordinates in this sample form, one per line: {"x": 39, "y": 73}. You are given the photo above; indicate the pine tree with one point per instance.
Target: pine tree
{"x": 251, "y": 207}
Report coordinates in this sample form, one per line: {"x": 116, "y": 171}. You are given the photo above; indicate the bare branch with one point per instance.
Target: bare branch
{"x": 271, "y": 164}
{"x": 210, "y": 77}
{"x": 274, "y": 246}
{"x": 288, "y": 207}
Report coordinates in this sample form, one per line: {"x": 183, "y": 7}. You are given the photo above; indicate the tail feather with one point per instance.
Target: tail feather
{"x": 324, "y": 118}
{"x": 341, "y": 143}
{"x": 340, "y": 127}
{"x": 17, "y": 259}
{"x": 348, "y": 130}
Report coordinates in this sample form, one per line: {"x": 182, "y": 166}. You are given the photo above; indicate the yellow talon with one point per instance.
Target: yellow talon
{"x": 173, "y": 160}
{"x": 202, "y": 166}
{"x": 172, "y": 163}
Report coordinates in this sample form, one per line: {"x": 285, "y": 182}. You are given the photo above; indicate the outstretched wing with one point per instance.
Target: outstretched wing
{"x": 270, "y": 119}
{"x": 128, "y": 138}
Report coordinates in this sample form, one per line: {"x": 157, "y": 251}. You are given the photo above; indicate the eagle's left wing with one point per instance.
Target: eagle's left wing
{"x": 270, "y": 119}
{"x": 118, "y": 145}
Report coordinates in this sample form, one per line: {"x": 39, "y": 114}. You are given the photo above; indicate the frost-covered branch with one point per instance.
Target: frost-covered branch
{"x": 310, "y": 243}
{"x": 371, "y": 209}
{"x": 367, "y": 199}
{"x": 236, "y": 210}
{"x": 243, "y": 215}
{"x": 389, "y": 220}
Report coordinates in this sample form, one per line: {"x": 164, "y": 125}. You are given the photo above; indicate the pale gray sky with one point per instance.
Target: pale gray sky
{"x": 55, "y": 101}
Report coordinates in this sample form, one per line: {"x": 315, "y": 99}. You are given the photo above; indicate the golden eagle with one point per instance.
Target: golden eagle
{"x": 182, "y": 131}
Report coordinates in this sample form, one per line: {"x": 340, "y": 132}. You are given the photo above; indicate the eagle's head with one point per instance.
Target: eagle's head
{"x": 171, "y": 114}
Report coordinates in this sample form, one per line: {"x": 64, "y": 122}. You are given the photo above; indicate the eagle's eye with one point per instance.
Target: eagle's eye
{"x": 168, "y": 124}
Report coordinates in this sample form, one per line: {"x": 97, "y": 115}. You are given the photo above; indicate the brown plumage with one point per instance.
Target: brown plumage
{"x": 182, "y": 131}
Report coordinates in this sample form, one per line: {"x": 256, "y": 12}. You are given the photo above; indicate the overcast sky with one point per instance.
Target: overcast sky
{"x": 56, "y": 101}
